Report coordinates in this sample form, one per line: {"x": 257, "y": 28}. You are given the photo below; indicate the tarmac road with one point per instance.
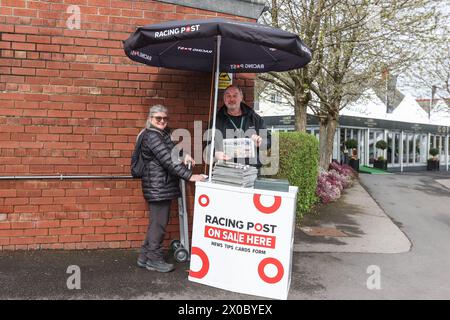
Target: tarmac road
{"x": 417, "y": 204}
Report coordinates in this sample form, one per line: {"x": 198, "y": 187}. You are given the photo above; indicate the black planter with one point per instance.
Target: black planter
{"x": 380, "y": 164}
{"x": 354, "y": 163}
{"x": 432, "y": 165}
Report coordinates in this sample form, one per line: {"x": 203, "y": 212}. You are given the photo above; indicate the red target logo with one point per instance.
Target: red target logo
{"x": 262, "y": 274}
{"x": 268, "y": 210}
{"x": 205, "y": 263}
{"x": 203, "y": 200}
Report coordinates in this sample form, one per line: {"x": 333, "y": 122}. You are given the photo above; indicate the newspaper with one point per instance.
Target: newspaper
{"x": 239, "y": 148}
{"x": 234, "y": 174}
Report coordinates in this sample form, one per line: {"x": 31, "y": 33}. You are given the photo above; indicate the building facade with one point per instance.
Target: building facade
{"x": 409, "y": 131}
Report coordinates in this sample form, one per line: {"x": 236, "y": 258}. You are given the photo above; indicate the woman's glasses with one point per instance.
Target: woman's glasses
{"x": 159, "y": 119}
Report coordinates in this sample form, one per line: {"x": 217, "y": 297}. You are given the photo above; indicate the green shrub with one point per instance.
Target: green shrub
{"x": 299, "y": 163}
{"x": 351, "y": 144}
{"x": 381, "y": 144}
{"x": 434, "y": 152}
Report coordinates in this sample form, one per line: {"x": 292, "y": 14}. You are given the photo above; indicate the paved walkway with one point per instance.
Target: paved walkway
{"x": 355, "y": 223}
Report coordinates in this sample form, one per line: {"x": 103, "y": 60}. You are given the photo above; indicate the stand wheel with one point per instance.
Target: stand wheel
{"x": 175, "y": 244}
{"x": 181, "y": 255}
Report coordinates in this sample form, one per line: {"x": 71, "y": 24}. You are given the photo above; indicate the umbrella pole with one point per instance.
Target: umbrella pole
{"x": 216, "y": 89}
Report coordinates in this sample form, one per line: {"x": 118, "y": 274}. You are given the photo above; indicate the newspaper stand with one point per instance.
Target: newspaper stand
{"x": 242, "y": 239}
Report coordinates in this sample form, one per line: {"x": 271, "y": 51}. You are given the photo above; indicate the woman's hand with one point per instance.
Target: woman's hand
{"x": 221, "y": 156}
{"x": 197, "y": 177}
{"x": 188, "y": 159}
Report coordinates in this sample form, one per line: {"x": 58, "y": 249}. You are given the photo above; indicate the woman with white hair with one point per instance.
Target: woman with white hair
{"x": 160, "y": 185}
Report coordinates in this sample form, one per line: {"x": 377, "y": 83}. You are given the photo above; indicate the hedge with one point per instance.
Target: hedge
{"x": 299, "y": 163}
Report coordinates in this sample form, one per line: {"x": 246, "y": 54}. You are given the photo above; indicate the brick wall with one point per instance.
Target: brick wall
{"x": 72, "y": 103}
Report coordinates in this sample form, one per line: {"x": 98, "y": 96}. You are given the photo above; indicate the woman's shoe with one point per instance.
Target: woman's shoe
{"x": 159, "y": 265}
{"x": 141, "y": 263}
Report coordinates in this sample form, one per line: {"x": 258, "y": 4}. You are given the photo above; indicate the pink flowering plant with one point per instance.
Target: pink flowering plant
{"x": 343, "y": 169}
{"x": 330, "y": 184}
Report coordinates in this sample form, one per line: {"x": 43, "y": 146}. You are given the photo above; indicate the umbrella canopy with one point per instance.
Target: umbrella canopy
{"x": 196, "y": 45}
{"x": 191, "y": 45}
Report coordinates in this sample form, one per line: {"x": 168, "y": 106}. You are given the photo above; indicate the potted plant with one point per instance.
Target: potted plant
{"x": 380, "y": 162}
{"x": 433, "y": 162}
{"x": 352, "y": 144}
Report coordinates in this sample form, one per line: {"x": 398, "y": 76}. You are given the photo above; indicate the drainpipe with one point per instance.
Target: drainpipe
{"x": 385, "y": 134}
{"x": 401, "y": 151}
{"x": 367, "y": 147}
{"x": 61, "y": 177}
{"x": 446, "y": 152}
{"x": 338, "y": 147}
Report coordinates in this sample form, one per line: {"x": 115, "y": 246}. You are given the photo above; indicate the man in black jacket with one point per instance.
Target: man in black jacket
{"x": 237, "y": 120}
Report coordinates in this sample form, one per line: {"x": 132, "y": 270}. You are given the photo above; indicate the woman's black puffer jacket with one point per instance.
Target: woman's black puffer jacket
{"x": 162, "y": 175}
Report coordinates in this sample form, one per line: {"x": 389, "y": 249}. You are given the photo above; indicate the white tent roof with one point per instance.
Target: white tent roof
{"x": 367, "y": 106}
{"x": 408, "y": 111}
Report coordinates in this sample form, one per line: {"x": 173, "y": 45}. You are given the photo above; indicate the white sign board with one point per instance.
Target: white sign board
{"x": 242, "y": 239}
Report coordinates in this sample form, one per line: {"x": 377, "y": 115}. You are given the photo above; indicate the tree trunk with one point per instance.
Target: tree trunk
{"x": 301, "y": 103}
{"x": 331, "y": 132}
{"x": 327, "y": 131}
{"x": 323, "y": 162}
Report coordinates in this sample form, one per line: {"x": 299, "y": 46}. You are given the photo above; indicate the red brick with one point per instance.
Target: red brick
{"x": 23, "y": 46}
{"x": 138, "y": 222}
{"x": 83, "y": 230}
{"x": 47, "y": 208}
{"x": 94, "y": 223}
{"x": 13, "y": 37}
{"x": 5, "y": 225}
{"x": 117, "y": 222}
{"x": 22, "y": 240}
{"x": 101, "y": 230}
{"x": 115, "y": 237}
{"x": 59, "y": 231}
{"x": 46, "y": 239}
{"x": 90, "y": 237}
{"x": 38, "y": 39}
{"x": 7, "y": 193}
{"x": 36, "y": 232}
{"x": 69, "y": 238}
{"x": 11, "y": 233}
{"x": 53, "y": 193}
{"x": 6, "y": 28}
{"x": 23, "y": 225}
{"x": 19, "y": 209}
{"x": 128, "y": 229}
{"x": 136, "y": 237}
{"x": 47, "y": 224}
{"x": 71, "y": 223}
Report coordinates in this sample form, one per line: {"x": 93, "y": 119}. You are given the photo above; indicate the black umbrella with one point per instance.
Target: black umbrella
{"x": 197, "y": 44}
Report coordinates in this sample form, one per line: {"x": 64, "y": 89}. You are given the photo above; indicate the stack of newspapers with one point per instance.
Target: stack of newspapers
{"x": 234, "y": 174}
